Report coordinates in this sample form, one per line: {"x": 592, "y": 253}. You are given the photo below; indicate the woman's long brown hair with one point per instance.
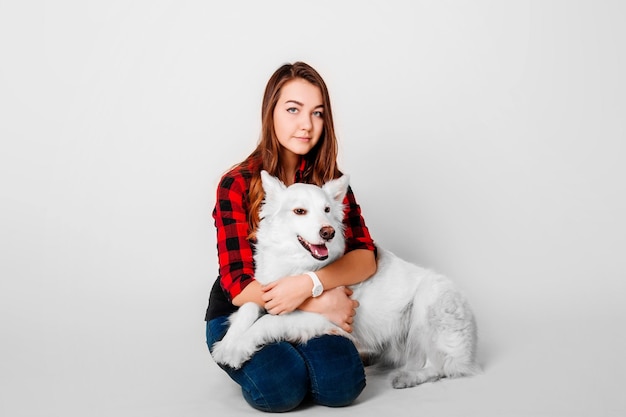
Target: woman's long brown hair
{"x": 321, "y": 161}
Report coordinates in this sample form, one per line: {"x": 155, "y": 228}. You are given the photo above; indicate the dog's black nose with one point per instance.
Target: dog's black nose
{"x": 327, "y": 232}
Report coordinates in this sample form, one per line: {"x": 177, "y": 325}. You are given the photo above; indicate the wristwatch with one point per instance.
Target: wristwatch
{"x": 318, "y": 288}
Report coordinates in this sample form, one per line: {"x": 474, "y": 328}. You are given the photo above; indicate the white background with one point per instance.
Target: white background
{"x": 485, "y": 139}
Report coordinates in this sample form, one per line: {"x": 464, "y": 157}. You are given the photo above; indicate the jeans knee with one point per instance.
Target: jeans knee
{"x": 340, "y": 397}
{"x": 272, "y": 402}
{"x": 336, "y": 370}
{"x": 275, "y": 379}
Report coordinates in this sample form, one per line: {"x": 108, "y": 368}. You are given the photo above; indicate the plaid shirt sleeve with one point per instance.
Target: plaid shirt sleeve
{"x": 235, "y": 256}
{"x": 356, "y": 232}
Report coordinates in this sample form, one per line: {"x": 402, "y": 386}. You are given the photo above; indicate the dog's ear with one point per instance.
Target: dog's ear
{"x": 271, "y": 184}
{"x": 337, "y": 188}
{"x": 272, "y": 187}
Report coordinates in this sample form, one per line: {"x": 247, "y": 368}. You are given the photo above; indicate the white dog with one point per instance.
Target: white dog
{"x": 409, "y": 318}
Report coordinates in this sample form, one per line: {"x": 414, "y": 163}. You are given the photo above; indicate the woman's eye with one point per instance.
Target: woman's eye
{"x": 318, "y": 114}
{"x": 292, "y": 110}
{"x": 299, "y": 211}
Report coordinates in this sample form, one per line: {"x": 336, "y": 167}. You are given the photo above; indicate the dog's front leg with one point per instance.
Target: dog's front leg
{"x": 241, "y": 341}
{"x": 226, "y": 351}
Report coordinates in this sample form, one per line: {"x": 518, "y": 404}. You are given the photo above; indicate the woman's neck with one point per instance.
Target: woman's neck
{"x": 290, "y": 164}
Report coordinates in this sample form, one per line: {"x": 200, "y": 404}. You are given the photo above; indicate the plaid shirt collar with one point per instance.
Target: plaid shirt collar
{"x": 300, "y": 170}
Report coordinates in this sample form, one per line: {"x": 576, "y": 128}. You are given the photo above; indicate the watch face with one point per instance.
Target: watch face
{"x": 317, "y": 291}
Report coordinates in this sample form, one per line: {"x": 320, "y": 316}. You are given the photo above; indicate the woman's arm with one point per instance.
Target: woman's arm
{"x": 335, "y": 304}
{"x": 251, "y": 293}
{"x": 352, "y": 268}
{"x": 287, "y": 294}
{"x": 235, "y": 256}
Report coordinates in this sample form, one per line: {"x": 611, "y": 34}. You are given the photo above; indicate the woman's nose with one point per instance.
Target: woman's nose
{"x": 305, "y": 122}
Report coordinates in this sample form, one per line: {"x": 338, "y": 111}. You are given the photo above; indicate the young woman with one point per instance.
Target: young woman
{"x": 297, "y": 144}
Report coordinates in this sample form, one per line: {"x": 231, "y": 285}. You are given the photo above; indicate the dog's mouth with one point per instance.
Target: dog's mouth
{"x": 319, "y": 252}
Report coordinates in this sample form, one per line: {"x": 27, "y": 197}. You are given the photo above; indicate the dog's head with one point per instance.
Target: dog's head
{"x": 303, "y": 218}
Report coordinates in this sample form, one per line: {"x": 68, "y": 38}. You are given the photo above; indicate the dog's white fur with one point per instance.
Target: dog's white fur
{"x": 410, "y": 318}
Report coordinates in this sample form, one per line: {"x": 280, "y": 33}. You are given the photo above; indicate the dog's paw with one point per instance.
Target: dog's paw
{"x": 218, "y": 351}
{"x": 403, "y": 379}
{"x": 232, "y": 355}
{"x": 407, "y": 379}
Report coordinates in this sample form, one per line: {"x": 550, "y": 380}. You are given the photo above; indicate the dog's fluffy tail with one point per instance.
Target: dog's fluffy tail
{"x": 444, "y": 345}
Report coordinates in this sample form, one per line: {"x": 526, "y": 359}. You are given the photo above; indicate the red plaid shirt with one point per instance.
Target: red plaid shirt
{"x": 235, "y": 252}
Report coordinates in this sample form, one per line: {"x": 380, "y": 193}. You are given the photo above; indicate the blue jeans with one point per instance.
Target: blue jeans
{"x": 280, "y": 376}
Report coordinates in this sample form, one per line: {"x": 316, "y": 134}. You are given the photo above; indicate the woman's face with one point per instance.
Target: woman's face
{"x": 298, "y": 117}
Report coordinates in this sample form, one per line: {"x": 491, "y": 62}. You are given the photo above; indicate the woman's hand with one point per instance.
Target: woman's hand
{"x": 336, "y": 305}
{"x": 294, "y": 292}
{"x": 286, "y": 294}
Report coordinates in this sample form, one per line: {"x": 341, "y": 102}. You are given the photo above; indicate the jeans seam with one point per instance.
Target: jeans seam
{"x": 262, "y": 397}
{"x": 312, "y": 376}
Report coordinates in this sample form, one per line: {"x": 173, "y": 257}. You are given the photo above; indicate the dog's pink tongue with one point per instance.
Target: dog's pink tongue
{"x": 319, "y": 251}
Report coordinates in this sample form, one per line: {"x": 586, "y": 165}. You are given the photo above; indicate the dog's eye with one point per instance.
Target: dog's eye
{"x": 299, "y": 211}
{"x": 327, "y": 210}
